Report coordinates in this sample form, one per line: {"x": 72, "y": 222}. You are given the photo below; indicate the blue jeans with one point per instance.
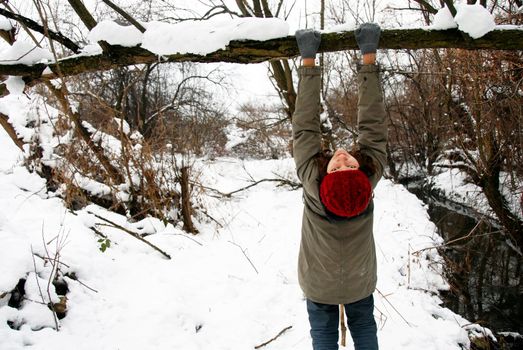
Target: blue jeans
{"x": 324, "y": 320}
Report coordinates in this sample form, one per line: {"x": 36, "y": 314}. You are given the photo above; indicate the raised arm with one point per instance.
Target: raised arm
{"x": 372, "y": 128}
{"x": 306, "y": 120}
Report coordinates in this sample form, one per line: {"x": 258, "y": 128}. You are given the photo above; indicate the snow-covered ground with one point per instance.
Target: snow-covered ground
{"x": 233, "y": 286}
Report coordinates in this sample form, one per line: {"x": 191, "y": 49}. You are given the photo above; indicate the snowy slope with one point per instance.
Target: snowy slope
{"x": 233, "y": 286}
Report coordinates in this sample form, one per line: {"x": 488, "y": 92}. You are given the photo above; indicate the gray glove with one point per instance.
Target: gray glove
{"x": 368, "y": 37}
{"x": 308, "y": 42}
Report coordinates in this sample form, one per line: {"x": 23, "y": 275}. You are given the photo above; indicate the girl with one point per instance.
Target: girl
{"x": 337, "y": 260}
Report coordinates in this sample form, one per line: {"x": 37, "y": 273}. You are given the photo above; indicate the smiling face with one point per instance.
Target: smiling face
{"x": 342, "y": 160}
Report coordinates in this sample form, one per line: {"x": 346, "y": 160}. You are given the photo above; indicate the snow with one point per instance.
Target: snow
{"x": 22, "y": 52}
{"x": 233, "y": 286}
{"x": 5, "y": 24}
{"x": 115, "y": 34}
{"x": 475, "y": 20}
{"x": 15, "y": 85}
{"x": 453, "y": 185}
{"x": 16, "y": 107}
{"x": 203, "y": 37}
{"x": 344, "y": 27}
{"x": 443, "y": 20}
{"x": 198, "y": 37}
{"x": 236, "y": 136}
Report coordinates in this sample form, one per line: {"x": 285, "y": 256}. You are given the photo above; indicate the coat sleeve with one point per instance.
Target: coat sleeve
{"x": 307, "y": 135}
{"x": 372, "y": 138}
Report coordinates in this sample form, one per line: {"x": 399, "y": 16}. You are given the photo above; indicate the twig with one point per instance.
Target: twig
{"x": 383, "y": 318}
{"x": 273, "y": 339}
{"x": 47, "y": 259}
{"x": 387, "y": 300}
{"x": 54, "y": 270}
{"x": 74, "y": 278}
{"x": 452, "y": 241}
{"x": 213, "y": 219}
{"x": 245, "y": 254}
{"x": 36, "y": 275}
{"x": 133, "y": 234}
{"x": 35, "y": 301}
{"x": 188, "y": 237}
{"x": 282, "y": 182}
{"x": 98, "y": 232}
{"x": 408, "y": 267}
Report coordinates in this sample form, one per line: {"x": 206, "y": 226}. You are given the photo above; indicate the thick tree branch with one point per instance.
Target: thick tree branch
{"x": 250, "y": 51}
{"x": 29, "y": 23}
{"x": 132, "y": 233}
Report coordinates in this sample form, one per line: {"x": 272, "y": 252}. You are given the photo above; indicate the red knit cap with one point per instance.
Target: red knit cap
{"x": 345, "y": 193}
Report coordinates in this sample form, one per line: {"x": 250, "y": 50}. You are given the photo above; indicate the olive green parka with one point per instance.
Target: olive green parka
{"x": 337, "y": 259}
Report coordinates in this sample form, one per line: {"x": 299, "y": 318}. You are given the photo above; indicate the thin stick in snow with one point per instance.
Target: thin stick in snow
{"x": 36, "y": 276}
{"x": 387, "y": 300}
{"x": 245, "y": 254}
{"x": 273, "y": 339}
{"x": 134, "y": 234}
{"x": 74, "y": 278}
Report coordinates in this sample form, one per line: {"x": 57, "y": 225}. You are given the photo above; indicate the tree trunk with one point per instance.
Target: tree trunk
{"x": 188, "y": 225}
{"x": 513, "y": 226}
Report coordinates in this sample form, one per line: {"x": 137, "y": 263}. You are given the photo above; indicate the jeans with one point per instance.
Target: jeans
{"x": 324, "y": 320}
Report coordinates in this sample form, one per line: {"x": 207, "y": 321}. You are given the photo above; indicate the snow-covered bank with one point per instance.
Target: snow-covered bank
{"x": 233, "y": 286}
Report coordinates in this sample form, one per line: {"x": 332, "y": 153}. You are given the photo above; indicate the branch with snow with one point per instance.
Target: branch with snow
{"x": 234, "y": 50}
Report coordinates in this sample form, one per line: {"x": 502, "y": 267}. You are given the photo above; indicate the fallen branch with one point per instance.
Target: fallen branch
{"x": 133, "y": 234}
{"x": 273, "y": 339}
{"x": 283, "y": 182}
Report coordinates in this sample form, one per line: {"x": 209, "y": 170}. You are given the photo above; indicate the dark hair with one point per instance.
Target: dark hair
{"x": 367, "y": 164}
